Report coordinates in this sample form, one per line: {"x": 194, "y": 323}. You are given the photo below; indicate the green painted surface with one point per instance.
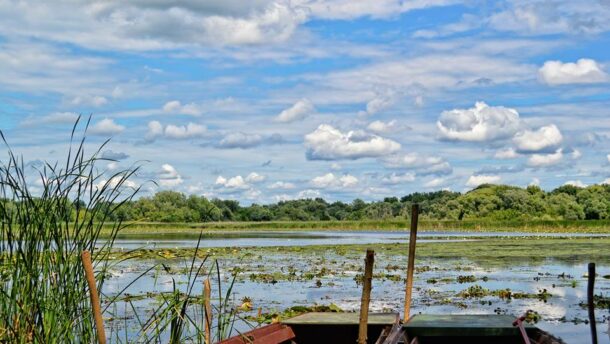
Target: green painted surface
{"x": 462, "y": 325}
{"x": 316, "y": 318}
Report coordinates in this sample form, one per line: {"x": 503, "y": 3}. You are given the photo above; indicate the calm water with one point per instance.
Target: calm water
{"x": 267, "y": 239}
{"x": 561, "y": 312}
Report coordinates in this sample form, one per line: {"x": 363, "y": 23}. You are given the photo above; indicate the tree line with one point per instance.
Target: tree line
{"x": 493, "y": 202}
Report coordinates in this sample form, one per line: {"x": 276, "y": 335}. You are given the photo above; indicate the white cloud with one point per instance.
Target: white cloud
{"x": 241, "y": 140}
{"x": 535, "y": 182}
{"x": 428, "y": 164}
{"x": 309, "y": 193}
{"x": 106, "y": 126}
{"x": 114, "y": 182}
{"x": 576, "y": 154}
{"x": 175, "y": 107}
{"x": 544, "y": 138}
{"x": 143, "y": 25}
{"x": 169, "y": 177}
{"x": 96, "y": 101}
{"x": 606, "y": 181}
{"x": 329, "y": 180}
{"x": 328, "y": 143}
{"x": 507, "y": 153}
{"x": 576, "y": 183}
{"x": 395, "y": 178}
{"x": 476, "y": 180}
{"x": 54, "y": 118}
{"x": 435, "y": 183}
{"x": 480, "y": 123}
{"x": 282, "y": 185}
{"x": 298, "y": 111}
{"x": 255, "y": 178}
{"x": 608, "y": 158}
{"x": 176, "y": 132}
{"x": 543, "y": 160}
{"x": 347, "y": 9}
{"x": 184, "y": 132}
{"x": 381, "y": 101}
{"x": 236, "y": 182}
{"x": 584, "y": 71}
{"x": 379, "y": 127}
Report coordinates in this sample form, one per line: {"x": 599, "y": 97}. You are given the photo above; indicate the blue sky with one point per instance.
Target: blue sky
{"x": 271, "y": 100}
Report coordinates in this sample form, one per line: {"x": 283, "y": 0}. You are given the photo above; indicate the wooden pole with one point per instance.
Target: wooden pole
{"x": 366, "y": 296}
{"x": 591, "y": 302}
{"x": 207, "y": 293}
{"x": 411, "y": 262}
{"x": 95, "y": 301}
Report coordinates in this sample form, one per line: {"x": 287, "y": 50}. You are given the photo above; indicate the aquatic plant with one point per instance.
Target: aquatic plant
{"x": 46, "y": 221}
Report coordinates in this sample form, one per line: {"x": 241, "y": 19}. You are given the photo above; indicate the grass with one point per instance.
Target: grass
{"x": 46, "y": 221}
{"x": 535, "y": 226}
{"x": 43, "y": 294}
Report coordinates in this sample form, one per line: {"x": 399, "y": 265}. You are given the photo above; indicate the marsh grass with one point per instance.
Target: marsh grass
{"x": 44, "y": 227}
{"x": 48, "y": 216}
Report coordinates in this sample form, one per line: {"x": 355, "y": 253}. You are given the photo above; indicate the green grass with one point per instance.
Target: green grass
{"x": 542, "y": 226}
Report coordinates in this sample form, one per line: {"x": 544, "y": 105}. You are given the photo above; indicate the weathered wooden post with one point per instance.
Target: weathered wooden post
{"x": 95, "y": 301}
{"x": 591, "y": 302}
{"x": 366, "y": 296}
{"x": 411, "y": 262}
{"x": 207, "y": 293}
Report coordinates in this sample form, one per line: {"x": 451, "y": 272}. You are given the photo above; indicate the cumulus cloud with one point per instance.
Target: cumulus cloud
{"x": 255, "y": 178}
{"x": 280, "y": 185}
{"x": 507, "y": 153}
{"x": 144, "y": 25}
{"x": 329, "y": 180}
{"x": 116, "y": 182}
{"x": 480, "y": 123}
{"x": 246, "y": 140}
{"x": 395, "y": 178}
{"x": 328, "y": 143}
{"x": 111, "y": 155}
{"x": 608, "y": 158}
{"x": 296, "y": 112}
{"x": 577, "y": 183}
{"x": 169, "y": 177}
{"x": 435, "y": 183}
{"x": 175, "y": 132}
{"x": 427, "y": 164}
{"x": 176, "y": 107}
{"x": 380, "y": 102}
{"x": 184, "y": 132}
{"x": 476, "y": 180}
{"x": 606, "y": 182}
{"x": 584, "y": 71}
{"x": 106, "y": 126}
{"x": 236, "y": 182}
{"x": 379, "y": 127}
{"x": 544, "y": 160}
{"x": 545, "y": 138}
{"x": 309, "y": 193}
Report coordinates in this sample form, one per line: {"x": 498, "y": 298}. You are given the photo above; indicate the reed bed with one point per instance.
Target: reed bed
{"x": 47, "y": 219}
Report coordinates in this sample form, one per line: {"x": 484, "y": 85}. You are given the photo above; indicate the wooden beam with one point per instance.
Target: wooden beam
{"x": 95, "y": 300}
{"x": 411, "y": 262}
{"x": 367, "y": 282}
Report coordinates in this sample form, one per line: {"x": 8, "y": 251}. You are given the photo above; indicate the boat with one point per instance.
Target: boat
{"x": 386, "y": 328}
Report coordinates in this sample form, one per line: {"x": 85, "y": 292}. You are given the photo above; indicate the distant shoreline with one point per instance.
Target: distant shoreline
{"x": 542, "y": 226}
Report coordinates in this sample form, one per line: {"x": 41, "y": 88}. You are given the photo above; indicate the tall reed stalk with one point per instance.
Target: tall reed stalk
{"x": 43, "y": 230}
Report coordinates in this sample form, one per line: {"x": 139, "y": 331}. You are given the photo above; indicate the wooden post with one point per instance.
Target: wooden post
{"x": 207, "y": 293}
{"x": 95, "y": 301}
{"x": 411, "y": 262}
{"x": 366, "y": 296}
{"x": 591, "y": 302}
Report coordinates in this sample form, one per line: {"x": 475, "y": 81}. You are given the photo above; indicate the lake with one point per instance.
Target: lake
{"x": 278, "y": 270}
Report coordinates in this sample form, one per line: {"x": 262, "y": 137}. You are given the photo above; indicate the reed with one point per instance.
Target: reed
{"x": 43, "y": 230}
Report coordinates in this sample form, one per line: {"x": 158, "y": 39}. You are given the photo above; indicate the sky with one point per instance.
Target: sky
{"x": 266, "y": 100}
